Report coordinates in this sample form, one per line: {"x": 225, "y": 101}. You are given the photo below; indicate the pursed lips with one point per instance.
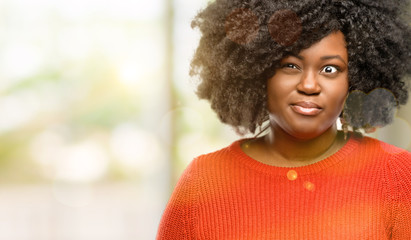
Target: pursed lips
{"x": 306, "y": 108}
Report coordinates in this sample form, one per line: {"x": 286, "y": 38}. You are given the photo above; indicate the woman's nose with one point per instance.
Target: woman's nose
{"x": 309, "y": 84}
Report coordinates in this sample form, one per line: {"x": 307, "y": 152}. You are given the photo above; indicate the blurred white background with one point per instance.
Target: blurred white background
{"x": 97, "y": 116}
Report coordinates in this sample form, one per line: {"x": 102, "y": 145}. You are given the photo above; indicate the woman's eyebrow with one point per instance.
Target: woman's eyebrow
{"x": 322, "y": 58}
{"x": 334, "y": 57}
{"x": 295, "y": 55}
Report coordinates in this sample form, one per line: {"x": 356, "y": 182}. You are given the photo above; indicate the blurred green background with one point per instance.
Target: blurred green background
{"x": 98, "y": 116}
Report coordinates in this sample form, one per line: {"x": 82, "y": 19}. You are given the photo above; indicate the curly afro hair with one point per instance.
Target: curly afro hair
{"x": 243, "y": 42}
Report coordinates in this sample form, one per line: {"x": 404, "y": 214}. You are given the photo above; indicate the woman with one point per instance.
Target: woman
{"x": 291, "y": 69}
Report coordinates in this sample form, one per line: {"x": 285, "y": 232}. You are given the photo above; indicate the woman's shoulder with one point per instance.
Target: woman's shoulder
{"x": 220, "y": 156}
{"x": 369, "y": 143}
{"x": 397, "y": 159}
{"x": 223, "y": 152}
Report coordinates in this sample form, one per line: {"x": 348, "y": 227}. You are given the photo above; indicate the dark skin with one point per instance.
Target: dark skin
{"x": 305, "y": 97}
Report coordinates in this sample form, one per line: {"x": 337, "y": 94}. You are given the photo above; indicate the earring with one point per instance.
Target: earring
{"x": 369, "y": 129}
{"x": 344, "y": 126}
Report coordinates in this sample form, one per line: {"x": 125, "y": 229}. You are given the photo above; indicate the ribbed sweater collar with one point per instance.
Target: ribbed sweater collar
{"x": 252, "y": 164}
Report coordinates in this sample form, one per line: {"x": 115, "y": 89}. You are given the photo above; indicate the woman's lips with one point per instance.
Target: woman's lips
{"x": 306, "y": 108}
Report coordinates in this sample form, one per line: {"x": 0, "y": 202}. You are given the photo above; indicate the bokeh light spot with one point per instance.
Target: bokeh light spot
{"x": 242, "y": 26}
{"x": 285, "y": 27}
{"x": 135, "y": 149}
{"x": 84, "y": 161}
{"x": 292, "y": 175}
{"x": 309, "y": 186}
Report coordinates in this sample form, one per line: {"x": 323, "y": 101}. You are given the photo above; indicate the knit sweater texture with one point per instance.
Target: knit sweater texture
{"x": 361, "y": 192}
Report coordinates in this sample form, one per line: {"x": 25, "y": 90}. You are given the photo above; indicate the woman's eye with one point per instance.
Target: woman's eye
{"x": 330, "y": 69}
{"x": 290, "y": 68}
{"x": 290, "y": 65}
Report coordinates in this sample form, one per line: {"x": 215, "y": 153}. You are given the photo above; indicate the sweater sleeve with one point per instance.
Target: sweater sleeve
{"x": 401, "y": 168}
{"x": 178, "y": 220}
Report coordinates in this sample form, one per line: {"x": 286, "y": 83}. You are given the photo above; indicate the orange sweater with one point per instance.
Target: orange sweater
{"x": 361, "y": 192}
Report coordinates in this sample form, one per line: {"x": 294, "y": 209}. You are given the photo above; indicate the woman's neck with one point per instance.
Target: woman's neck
{"x": 281, "y": 149}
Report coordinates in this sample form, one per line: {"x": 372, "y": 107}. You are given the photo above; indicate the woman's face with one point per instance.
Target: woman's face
{"x": 307, "y": 93}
